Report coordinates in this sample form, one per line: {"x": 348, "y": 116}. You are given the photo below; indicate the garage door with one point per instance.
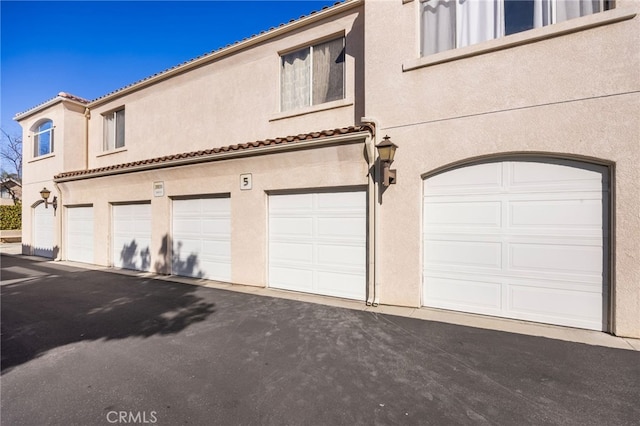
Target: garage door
{"x": 79, "y": 241}
{"x": 317, "y": 243}
{"x": 131, "y": 239}
{"x": 202, "y": 238}
{"x": 518, "y": 239}
{"x": 43, "y": 231}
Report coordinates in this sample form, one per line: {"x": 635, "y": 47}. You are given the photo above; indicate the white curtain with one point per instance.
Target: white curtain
{"x": 570, "y": 9}
{"x": 328, "y": 71}
{"x": 478, "y": 21}
{"x": 119, "y": 129}
{"x": 438, "y": 26}
{"x": 109, "y": 137}
{"x": 295, "y": 80}
{"x": 542, "y": 13}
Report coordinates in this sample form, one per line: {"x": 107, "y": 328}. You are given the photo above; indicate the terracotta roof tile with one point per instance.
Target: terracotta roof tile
{"x": 208, "y": 152}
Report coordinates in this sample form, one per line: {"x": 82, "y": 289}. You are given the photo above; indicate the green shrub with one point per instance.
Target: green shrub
{"x": 11, "y": 217}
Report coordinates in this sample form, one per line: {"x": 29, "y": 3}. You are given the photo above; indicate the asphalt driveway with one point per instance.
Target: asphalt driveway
{"x": 91, "y": 347}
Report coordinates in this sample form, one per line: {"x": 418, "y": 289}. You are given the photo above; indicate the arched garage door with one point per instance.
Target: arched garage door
{"x": 518, "y": 239}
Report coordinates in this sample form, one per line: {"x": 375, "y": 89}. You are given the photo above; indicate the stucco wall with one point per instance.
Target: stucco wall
{"x": 68, "y": 153}
{"x": 573, "y": 96}
{"x": 234, "y": 99}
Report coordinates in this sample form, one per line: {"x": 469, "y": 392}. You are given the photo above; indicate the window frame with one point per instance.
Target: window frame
{"x": 37, "y": 135}
{"x": 110, "y": 132}
{"x": 310, "y": 48}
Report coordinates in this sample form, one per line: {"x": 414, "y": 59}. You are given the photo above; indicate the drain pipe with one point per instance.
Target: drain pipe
{"x": 59, "y": 224}
{"x": 373, "y": 296}
{"x": 87, "y": 117}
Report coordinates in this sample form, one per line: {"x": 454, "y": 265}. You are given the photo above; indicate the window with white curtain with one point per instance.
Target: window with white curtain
{"x": 113, "y": 130}
{"x": 313, "y": 75}
{"x": 43, "y": 139}
{"x": 450, "y": 24}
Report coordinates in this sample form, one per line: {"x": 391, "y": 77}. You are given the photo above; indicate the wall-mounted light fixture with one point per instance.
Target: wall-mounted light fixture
{"x": 386, "y": 152}
{"x": 45, "y": 196}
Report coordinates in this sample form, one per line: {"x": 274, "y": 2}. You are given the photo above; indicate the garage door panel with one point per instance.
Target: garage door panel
{"x": 201, "y": 232}
{"x": 342, "y": 227}
{"x": 293, "y": 202}
{"x": 79, "y": 242}
{"x": 476, "y": 296}
{"x": 548, "y": 176}
{"x": 460, "y": 213}
{"x": 349, "y": 285}
{"x": 464, "y": 253}
{"x": 565, "y": 306}
{"x": 342, "y": 201}
{"x": 289, "y": 278}
{"x": 318, "y": 237}
{"x": 291, "y": 226}
{"x": 485, "y": 177}
{"x": 557, "y": 214}
{"x": 216, "y": 226}
{"x": 340, "y": 254}
{"x": 219, "y": 249}
{"x": 291, "y": 252}
{"x": 544, "y": 250}
{"x": 566, "y": 259}
{"x": 131, "y": 240}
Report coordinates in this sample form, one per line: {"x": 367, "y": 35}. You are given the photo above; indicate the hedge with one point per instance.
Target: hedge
{"x": 11, "y": 217}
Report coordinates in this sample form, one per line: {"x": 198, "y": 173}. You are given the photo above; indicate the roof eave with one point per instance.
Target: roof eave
{"x": 344, "y": 139}
{"x": 48, "y": 104}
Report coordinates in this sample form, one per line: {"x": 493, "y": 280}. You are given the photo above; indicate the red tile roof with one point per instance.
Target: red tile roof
{"x": 213, "y": 153}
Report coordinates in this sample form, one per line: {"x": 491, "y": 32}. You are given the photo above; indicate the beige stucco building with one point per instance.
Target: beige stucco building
{"x": 515, "y": 192}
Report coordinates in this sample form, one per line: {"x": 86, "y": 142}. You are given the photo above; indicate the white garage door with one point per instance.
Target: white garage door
{"x": 317, "y": 243}
{"x": 202, "y": 238}
{"x": 131, "y": 239}
{"x": 518, "y": 239}
{"x": 43, "y": 231}
{"x": 80, "y": 234}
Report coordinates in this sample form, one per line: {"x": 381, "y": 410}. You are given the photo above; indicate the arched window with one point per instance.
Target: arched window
{"x": 43, "y": 139}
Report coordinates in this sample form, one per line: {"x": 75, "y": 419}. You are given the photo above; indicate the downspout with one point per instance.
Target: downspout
{"x": 373, "y": 297}
{"x": 58, "y": 213}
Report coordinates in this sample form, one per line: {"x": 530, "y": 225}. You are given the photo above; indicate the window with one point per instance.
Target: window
{"x": 114, "y": 130}
{"x": 449, "y": 24}
{"x": 313, "y": 75}
{"x": 43, "y": 139}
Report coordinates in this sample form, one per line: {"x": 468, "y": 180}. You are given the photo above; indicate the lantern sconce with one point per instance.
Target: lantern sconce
{"x": 45, "y": 196}
{"x": 386, "y": 152}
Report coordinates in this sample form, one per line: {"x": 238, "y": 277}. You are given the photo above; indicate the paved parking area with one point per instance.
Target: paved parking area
{"x": 88, "y": 347}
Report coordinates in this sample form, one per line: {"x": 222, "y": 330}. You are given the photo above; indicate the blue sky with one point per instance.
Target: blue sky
{"x": 90, "y": 48}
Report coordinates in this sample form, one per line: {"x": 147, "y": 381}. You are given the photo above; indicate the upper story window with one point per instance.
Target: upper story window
{"x": 313, "y": 75}
{"x": 113, "y": 130}
{"x": 449, "y": 24}
{"x": 43, "y": 139}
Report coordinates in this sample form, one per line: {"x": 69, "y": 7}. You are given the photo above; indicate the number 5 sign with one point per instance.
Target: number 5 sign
{"x": 245, "y": 181}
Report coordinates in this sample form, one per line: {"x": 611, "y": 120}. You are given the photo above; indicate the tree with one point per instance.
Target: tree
{"x": 11, "y": 154}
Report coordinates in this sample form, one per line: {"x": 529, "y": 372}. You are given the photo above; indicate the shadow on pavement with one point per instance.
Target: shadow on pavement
{"x": 54, "y": 306}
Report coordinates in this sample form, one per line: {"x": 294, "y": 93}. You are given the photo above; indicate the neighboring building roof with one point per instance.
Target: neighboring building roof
{"x": 203, "y": 59}
{"x": 10, "y": 183}
{"x": 250, "y": 148}
{"x": 62, "y": 96}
